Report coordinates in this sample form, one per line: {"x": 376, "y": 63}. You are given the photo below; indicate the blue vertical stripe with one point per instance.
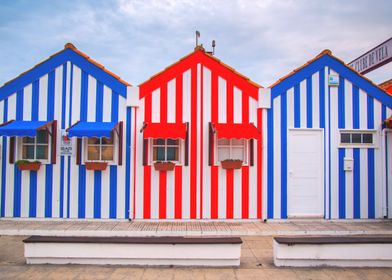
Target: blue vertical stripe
{"x": 297, "y": 106}
{"x": 33, "y": 195}
{"x": 62, "y": 165}
{"x": 322, "y": 99}
{"x": 17, "y": 172}
{"x": 309, "y": 103}
{"x": 371, "y": 178}
{"x": 51, "y": 94}
{"x": 128, "y": 163}
{"x": 383, "y": 118}
{"x": 329, "y": 147}
{"x": 4, "y": 163}
{"x": 82, "y": 192}
{"x": 113, "y": 192}
{"x": 97, "y": 193}
{"x": 270, "y": 165}
{"x": 342, "y": 175}
{"x": 357, "y": 157}
{"x": 19, "y": 105}
{"x": 283, "y": 139}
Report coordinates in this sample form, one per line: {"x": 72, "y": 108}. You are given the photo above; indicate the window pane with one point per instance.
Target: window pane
{"x": 223, "y": 142}
{"x": 159, "y": 141}
{"x": 107, "y": 152}
{"x": 28, "y": 152}
{"x": 237, "y": 153}
{"x": 237, "y": 142}
{"x": 93, "y": 153}
{"x": 42, "y": 152}
{"x": 42, "y": 136}
{"x": 356, "y": 138}
{"x": 94, "y": 140}
{"x": 106, "y": 141}
{"x": 345, "y": 137}
{"x": 172, "y": 153}
{"x": 172, "y": 141}
{"x": 28, "y": 139}
{"x": 223, "y": 153}
{"x": 159, "y": 154}
{"x": 367, "y": 138}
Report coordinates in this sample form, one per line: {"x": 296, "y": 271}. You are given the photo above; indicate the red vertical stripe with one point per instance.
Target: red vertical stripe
{"x": 163, "y": 105}
{"x": 162, "y": 194}
{"x": 179, "y": 99}
{"x": 214, "y": 169}
{"x": 229, "y": 193}
{"x": 229, "y": 100}
{"x": 147, "y": 168}
{"x": 245, "y": 192}
{"x": 259, "y": 166}
{"x": 178, "y": 192}
{"x": 193, "y": 171}
{"x": 201, "y": 141}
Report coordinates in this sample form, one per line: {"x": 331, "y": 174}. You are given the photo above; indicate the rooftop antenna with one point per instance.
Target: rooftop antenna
{"x": 197, "y": 37}
{"x": 213, "y": 47}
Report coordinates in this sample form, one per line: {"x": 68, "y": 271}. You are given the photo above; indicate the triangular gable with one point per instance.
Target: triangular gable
{"x": 207, "y": 60}
{"x": 72, "y": 54}
{"x": 326, "y": 59}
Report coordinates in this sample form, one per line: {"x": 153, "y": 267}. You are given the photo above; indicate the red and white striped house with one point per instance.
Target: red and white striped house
{"x": 200, "y": 114}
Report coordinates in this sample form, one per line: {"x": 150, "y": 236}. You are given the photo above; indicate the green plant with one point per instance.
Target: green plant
{"x": 25, "y": 161}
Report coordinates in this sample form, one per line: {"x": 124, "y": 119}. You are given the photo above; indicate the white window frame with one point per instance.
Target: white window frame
{"x": 115, "y": 150}
{"x": 180, "y": 150}
{"x": 230, "y": 146}
{"x": 359, "y": 145}
{"x": 20, "y": 148}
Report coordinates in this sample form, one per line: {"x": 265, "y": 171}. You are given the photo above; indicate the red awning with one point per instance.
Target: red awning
{"x": 236, "y": 130}
{"x": 164, "y": 130}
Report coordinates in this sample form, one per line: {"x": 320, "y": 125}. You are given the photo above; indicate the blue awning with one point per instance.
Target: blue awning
{"x": 22, "y": 128}
{"x": 91, "y": 129}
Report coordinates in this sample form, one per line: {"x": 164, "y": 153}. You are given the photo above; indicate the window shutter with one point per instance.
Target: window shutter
{"x": 186, "y": 160}
{"x": 210, "y": 144}
{"x": 54, "y": 143}
{"x": 12, "y": 150}
{"x": 251, "y": 152}
{"x": 120, "y": 143}
{"x": 78, "y": 151}
{"x": 145, "y": 149}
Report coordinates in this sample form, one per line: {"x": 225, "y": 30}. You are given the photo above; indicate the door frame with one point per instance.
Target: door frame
{"x": 322, "y": 177}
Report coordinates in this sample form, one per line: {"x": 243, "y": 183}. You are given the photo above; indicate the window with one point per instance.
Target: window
{"x": 165, "y": 149}
{"x": 232, "y": 149}
{"x": 35, "y": 148}
{"x": 357, "y": 138}
{"x": 100, "y": 149}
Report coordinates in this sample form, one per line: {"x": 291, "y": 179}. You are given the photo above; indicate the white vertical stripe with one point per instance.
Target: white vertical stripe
{"x": 198, "y": 140}
{"x": 222, "y": 193}
{"x": 348, "y": 104}
{"x": 315, "y": 100}
{"x": 171, "y": 101}
{"x": 326, "y": 134}
{"x": 25, "y": 193}
{"x": 27, "y": 101}
{"x": 92, "y": 96}
{"x": 290, "y": 108}
{"x": 121, "y": 170}
{"x": 334, "y": 153}
{"x": 253, "y": 183}
{"x": 41, "y": 192}
{"x": 349, "y": 188}
{"x": 222, "y": 100}
{"x": 264, "y": 164}
{"x": 237, "y": 111}
{"x": 76, "y": 94}
{"x": 9, "y": 201}
{"x": 277, "y": 157}
{"x": 139, "y": 187}
{"x": 105, "y": 193}
{"x": 170, "y": 195}
{"x": 379, "y": 189}
{"x": 364, "y": 182}
{"x": 252, "y": 111}
{"x": 154, "y": 193}
{"x": 303, "y": 101}
{"x": 362, "y": 109}
{"x": 12, "y": 107}
{"x": 107, "y": 104}
{"x": 43, "y": 98}
{"x": 237, "y": 194}
{"x": 67, "y": 96}
{"x": 90, "y": 194}
{"x": 155, "y": 105}
{"x": 206, "y": 120}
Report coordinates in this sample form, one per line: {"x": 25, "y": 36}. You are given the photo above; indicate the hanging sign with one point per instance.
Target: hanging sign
{"x": 65, "y": 144}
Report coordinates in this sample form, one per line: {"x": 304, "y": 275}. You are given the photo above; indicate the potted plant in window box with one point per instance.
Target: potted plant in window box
{"x": 96, "y": 165}
{"x": 28, "y": 165}
{"x": 164, "y": 165}
{"x": 231, "y": 164}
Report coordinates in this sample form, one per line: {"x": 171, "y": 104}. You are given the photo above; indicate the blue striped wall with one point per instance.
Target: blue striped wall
{"x": 67, "y": 94}
{"x": 306, "y": 101}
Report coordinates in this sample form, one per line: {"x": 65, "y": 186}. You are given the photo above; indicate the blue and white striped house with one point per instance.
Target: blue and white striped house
{"x": 67, "y": 88}
{"x": 325, "y": 147}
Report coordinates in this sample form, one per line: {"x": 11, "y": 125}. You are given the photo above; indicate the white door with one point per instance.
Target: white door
{"x": 305, "y": 173}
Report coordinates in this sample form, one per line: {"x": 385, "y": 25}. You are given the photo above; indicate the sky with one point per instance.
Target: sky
{"x": 135, "y": 39}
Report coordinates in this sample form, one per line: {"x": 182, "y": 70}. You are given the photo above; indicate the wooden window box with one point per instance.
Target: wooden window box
{"x": 231, "y": 164}
{"x": 27, "y": 165}
{"x": 92, "y": 165}
{"x": 164, "y": 166}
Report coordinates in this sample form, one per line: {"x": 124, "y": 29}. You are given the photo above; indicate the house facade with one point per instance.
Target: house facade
{"x": 195, "y": 141}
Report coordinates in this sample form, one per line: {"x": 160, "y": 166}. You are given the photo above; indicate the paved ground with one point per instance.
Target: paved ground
{"x": 256, "y": 254}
